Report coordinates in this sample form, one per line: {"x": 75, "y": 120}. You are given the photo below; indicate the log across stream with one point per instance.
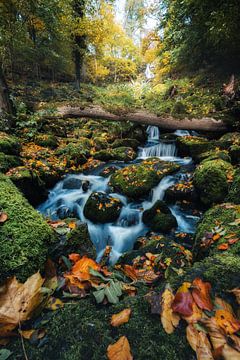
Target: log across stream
{"x": 122, "y": 233}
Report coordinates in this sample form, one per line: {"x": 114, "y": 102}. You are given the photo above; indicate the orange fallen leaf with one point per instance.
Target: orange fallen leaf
{"x": 121, "y": 318}
{"x": 223, "y": 247}
{"x": 169, "y": 319}
{"x": 226, "y": 321}
{"x": 183, "y": 301}
{"x": 120, "y": 350}
{"x": 201, "y": 294}
{"x": 216, "y": 237}
{"x": 72, "y": 225}
{"x": 74, "y": 257}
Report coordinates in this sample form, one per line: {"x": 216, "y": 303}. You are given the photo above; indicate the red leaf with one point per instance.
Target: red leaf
{"x": 183, "y": 301}
{"x": 201, "y": 294}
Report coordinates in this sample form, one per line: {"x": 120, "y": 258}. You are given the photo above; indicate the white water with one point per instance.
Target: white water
{"x": 122, "y": 234}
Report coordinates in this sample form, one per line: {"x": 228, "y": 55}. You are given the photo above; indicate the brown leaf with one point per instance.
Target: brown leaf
{"x": 183, "y": 301}
{"x": 19, "y": 301}
{"x": 120, "y": 350}
{"x": 121, "y": 318}
{"x": 201, "y": 294}
{"x": 169, "y": 319}
{"x": 236, "y": 292}
{"x": 203, "y": 350}
{"x": 192, "y": 336}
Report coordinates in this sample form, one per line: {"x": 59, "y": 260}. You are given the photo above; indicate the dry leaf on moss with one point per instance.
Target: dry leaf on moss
{"x": 120, "y": 350}
{"x": 169, "y": 319}
{"x": 121, "y": 318}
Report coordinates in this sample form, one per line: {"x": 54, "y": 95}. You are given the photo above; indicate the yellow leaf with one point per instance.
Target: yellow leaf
{"x": 121, "y": 318}
{"x": 19, "y": 301}
{"x": 120, "y": 350}
{"x": 169, "y": 319}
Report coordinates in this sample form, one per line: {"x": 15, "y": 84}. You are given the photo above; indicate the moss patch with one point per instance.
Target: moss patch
{"x": 9, "y": 144}
{"x": 8, "y": 161}
{"x": 24, "y": 237}
{"x": 159, "y": 218}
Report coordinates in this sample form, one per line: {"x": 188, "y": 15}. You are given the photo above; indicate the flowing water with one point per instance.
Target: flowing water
{"x": 121, "y": 235}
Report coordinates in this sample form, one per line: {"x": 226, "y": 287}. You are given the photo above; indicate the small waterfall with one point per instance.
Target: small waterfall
{"x": 153, "y": 133}
{"x": 182, "y": 133}
{"x": 160, "y": 150}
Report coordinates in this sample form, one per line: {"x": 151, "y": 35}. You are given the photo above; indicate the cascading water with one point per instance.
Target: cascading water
{"x": 69, "y": 200}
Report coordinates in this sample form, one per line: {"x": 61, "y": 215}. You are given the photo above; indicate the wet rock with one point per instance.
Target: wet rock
{"x": 159, "y": 218}
{"x": 194, "y": 146}
{"x": 136, "y": 181}
{"x": 72, "y": 183}
{"x": 183, "y": 190}
{"x": 109, "y": 170}
{"x": 102, "y": 208}
{"x": 86, "y": 185}
{"x": 211, "y": 180}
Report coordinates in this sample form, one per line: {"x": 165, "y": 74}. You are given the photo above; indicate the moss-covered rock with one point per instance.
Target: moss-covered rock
{"x": 109, "y": 170}
{"x": 217, "y": 225}
{"x": 9, "y": 144}
{"x": 102, "y": 208}
{"x": 159, "y": 218}
{"x": 213, "y": 155}
{"x": 100, "y": 143}
{"x": 137, "y": 180}
{"x": 24, "y": 237}
{"x": 211, "y": 180}
{"x": 29, "y": 183}
{"x": 194, "y": 146}
{"x": 184, "y": 190}
{"x": 75, "y": 154}
{"x": 221, "y": 270}
{"x": 133, "y": 143}
{"x": 120, "y": 153}
{"x": 46, "y": 140}
{"x": 231, "y": 138}
{"x": 234, "y": 190}
{"x": 8, "y": 161}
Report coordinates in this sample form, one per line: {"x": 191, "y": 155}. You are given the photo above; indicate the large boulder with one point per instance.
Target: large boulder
{"x": 24, "y": 237}
{"x": 102, "y": 208}
{"x": 75, "y": 154}
{"x": 136, "y": 181}
{"x": 213, "y": 155}
{"x": 9, "y": 144}
{"x": 133, "y": 143}
{"x": 183, "y": 190}
{"x": 46, "y": 140}
{"x": 159, "y": 218}
{"x": 211, "y": 180}
{"x": 218, "y": 231}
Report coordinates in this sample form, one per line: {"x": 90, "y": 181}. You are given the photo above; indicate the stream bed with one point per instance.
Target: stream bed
{"x": 66, "y": 201}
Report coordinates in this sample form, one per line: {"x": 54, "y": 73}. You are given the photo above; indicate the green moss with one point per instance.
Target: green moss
{"x": 9, "y": 144}
{"x": 222, "y": 216}
{"x": 159, "y": 218}
{"x": 100, "y": 143}
{"x": 82, "y": 331}
{"x": 121, "y": 154}
{"x": 234, "y": 191}
{"x": 46, "y": 140}
{"x": 101, "y": 208}
{"x": 193, "y": 145}
{"x": 24, "y": 237}
{"x": 8, "y": 161}
{"x": 213, "y": 155}
{"x": 126, "y": 142}
{"x": 221, "y": 270}
{"x": 136, "y": 181}
{"x": 211, "y": 180}
{"x": 75, "y": 154}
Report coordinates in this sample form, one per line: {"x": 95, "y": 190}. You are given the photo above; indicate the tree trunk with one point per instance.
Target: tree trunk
{"x": 7, "y": 110}
{"x": 80, "y": 42}
{"x": 144, "y": 117}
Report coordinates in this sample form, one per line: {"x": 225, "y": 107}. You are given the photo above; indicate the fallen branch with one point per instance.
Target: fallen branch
{"x": 143, "y": 117}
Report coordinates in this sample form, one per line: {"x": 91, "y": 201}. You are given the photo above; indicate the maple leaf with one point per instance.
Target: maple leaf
{"x": 120, "y": 350}
{"x": 19, "y": 301}
{"x": 201, "y": 294}
{"x": 121, "y": 318}
{"x": 169, "y": 319}
{"x": 183, "y": 301}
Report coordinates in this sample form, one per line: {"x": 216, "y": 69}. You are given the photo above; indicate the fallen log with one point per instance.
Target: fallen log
{"x": 144, "y": 117}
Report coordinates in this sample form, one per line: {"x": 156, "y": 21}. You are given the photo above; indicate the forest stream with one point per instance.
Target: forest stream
{"x": 69, "y": 197}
